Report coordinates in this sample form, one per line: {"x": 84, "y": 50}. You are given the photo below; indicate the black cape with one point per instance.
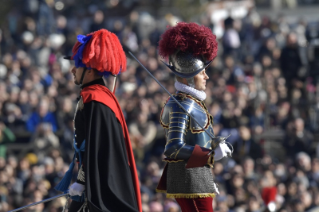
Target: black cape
{"x": 108, "y": 179}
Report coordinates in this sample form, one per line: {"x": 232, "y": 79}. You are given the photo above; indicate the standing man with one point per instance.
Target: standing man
{"x": 190, "y": 151}
{"x": 107, "y": 178}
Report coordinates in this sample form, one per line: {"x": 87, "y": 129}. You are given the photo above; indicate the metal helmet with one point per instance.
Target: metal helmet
{"x": 189, "y": 48}
{"x": 185, "y": 64}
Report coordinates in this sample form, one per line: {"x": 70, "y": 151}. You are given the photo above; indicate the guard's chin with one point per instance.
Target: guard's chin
{"x": 201, "y": 88}
{"x": 76, "y": 82}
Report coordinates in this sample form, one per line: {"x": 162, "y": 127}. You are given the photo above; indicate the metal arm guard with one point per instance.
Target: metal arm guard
{"x": 175, "y": 146}
{"x": 182, "y": 133}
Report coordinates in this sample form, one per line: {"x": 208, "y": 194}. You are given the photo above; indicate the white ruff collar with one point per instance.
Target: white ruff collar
{"x": 201, "y": 95}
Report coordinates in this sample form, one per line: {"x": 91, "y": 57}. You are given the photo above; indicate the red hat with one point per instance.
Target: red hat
{"x": 100, "y": 50}
{"x": 269, "y": 196}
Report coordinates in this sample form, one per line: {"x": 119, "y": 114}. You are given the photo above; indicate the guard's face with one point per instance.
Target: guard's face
{"x": 200, "y": 80}
{"x": 77, "y": 73}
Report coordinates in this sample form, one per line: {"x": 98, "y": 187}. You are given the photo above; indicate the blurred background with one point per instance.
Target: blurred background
{"x": 263, "y": 90}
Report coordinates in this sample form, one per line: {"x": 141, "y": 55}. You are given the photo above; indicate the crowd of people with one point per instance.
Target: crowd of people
{"x": 259, "y": 85}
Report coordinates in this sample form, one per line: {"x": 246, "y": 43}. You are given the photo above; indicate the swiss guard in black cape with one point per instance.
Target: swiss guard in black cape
{"x": 107, "y": 179}
{"x": 191, "y": 147}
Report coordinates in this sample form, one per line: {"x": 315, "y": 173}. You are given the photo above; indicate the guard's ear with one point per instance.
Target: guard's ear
{"x": 91, "y": 71}
{"x": 95, "y": 72}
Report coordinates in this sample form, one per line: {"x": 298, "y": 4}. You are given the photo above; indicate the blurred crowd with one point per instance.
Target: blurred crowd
{"x": 262, "y": 91}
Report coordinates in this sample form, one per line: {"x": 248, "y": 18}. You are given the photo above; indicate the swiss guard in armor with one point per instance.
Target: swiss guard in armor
{"x": 107, "y": 177}
{"x": 191, "y": 147}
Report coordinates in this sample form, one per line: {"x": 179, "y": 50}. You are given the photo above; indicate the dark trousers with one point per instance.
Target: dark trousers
{"x": 75, "y": 206}
{"x": 196, "y": 204}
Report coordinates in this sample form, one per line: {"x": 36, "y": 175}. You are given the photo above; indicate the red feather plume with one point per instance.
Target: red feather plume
{"x": 189, "y": 37}
{"x": 75, "y": 48}
{"x": 103, "y": 52}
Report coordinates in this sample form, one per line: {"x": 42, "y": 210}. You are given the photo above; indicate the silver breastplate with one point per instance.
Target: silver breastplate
{"x": 182, "y": 132}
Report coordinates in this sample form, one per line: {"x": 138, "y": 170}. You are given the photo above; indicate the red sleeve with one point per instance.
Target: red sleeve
{"x": 199, "y": 157}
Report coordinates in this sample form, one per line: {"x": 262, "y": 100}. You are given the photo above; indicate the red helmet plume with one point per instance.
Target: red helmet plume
{"x": 189, "y": 37}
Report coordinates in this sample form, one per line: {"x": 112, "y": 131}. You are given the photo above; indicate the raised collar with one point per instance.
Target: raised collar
{"x": 200, "y": 95}
{"x": 99, "y": 81}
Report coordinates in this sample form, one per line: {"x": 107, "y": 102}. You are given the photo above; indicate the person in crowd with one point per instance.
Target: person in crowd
{"x": 246, "y": 145}
{"x": 298, "y": 139}
{"x": 6, "y": 137}
{"x": 42, "y": 115}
